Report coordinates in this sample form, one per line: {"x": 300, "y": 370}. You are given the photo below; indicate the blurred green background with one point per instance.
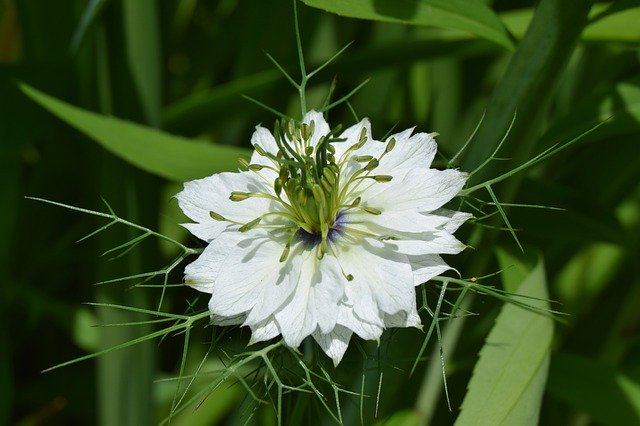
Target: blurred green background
{"x": 184, "y": 66}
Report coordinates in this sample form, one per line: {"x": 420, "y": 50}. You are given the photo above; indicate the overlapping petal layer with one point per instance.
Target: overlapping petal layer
{"x": 385, "y": 238}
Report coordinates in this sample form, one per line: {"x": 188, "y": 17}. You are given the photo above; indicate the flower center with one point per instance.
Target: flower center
{"x": 309, "y": 185}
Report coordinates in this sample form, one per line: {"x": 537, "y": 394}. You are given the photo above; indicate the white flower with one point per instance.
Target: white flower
{"x": 323, "y": 235}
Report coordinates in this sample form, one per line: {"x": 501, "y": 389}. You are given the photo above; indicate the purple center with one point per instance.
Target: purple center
{"x": 312, "y": 240}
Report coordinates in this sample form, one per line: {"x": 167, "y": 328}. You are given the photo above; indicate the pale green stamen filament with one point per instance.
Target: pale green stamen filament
{"x": 310, "y": 186}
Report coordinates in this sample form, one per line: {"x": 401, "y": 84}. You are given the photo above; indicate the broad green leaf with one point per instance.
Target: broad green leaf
{"x": 401, "y": 418}
{"x": 469, "y": 16}
{"x": 142, "y": 44}
{"x": 508, "y": 380}
{"x": 513, "y": 270}
{"x": 621, "y": 26}
{"x": 598, "y": 389}
{"x": 162, "y": 154}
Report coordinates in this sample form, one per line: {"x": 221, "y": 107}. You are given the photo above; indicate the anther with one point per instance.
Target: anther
{"x": 371, "y": 165}
{"x": 382, "y": 178}
{"x": 363, "y": 136}
{"x": 239, "y": 196}
{"x": 305, "y": 131}
{"x": 390, "y": 145}
{"x": 277, "y": 186}
{"x": 372, "y": 210}
{"x": 250, "y": 225}
{"x": 362, "y": 158}
{"x": 285, "y": 253}
{"x": 329, "y": 175}
{"x": 255, "y": 167}
{"x": 244, "y": 164}
{"x": 218, "y": 217}
{"x": 259, "y": 150}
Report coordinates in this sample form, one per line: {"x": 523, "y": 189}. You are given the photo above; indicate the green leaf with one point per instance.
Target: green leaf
{"x": 508, "y": 380}
{"x": 401, "y": 418}
{"x": 605, "y": 25}
{"x": 469, "y": 16}
{"x": 600, "y": 390}
{"x": 620, "y": 104}
{"x": 162, "y": 154}
{"x": 142, "y": 44}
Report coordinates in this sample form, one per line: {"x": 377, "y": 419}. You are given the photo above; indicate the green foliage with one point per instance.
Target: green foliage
{"x": 465, "y": 15}
{"x": 553, "y": 89}
{"x": 509, "y": 378}
{"x": 165, "y": 155}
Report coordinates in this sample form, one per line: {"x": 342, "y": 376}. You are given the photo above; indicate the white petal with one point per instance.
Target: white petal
{"x": 201, "y": 197}
{"x": 408, "y": 318}
{"x": 234, "y": 320}
{"x": 366, "y": 330}
{"x": 422, "y": 191}
{"x": 321, "y": 128}
{"x": 410, "y": 153}
{"x": 250, "y": 271}
{"x": 456, "y": 219}
{"x": 264, "y": 330}
{"x": 426, "y": 267}
{"x": 202, "y": 273}
{"x": 329, "y": 290}
{"x": 352, "y": 135}
{"x": 272, "y": 298}
{"x": 335, "y": 343}
{"x": 315, "y": 300}
{"x": 392, "y": 220}
{"x": 265, "y": 140}
{"x": 382, "y": 281}
{"x": 439, "y": 242}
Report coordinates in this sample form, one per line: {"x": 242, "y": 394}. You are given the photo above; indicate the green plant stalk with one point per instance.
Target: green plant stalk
{"x": 534, "y": 68}
{"x": 125, "y": 377}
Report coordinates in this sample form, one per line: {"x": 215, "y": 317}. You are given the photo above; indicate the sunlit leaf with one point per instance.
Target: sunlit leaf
{"x": 620, "y": 26}
{"x": 470, "y": 16}
{"x": 171, "y": 157}
{"x": 508, "y": 380}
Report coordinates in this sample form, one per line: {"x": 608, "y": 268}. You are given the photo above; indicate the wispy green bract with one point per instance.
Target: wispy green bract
{"x": 469, "y": 16}
{"x": 172, "y": 157}
{"x": 509, "y": 379}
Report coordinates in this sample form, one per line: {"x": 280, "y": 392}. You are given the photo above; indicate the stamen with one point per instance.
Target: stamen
{"x": 371, "y": 165}
{"x": 390, "y": 145}
{"x": 248, "y": 226}
{"x": 285, "y": 253}
{"x": 260, "y": 150}
{"x": 239, "y": 196}
{"x": 372, "y": 210}
{"x": 218, "y": 217}
{"x": 244, "y": 164}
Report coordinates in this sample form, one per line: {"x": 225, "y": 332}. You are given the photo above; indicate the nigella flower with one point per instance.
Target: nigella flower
{"x": 323, "y": 234}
